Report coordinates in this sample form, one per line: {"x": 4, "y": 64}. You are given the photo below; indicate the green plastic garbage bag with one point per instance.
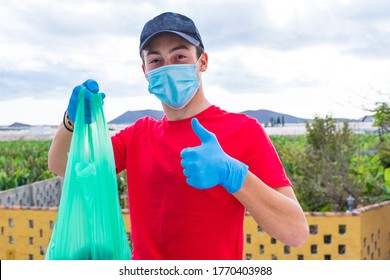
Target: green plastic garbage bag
{"x": 89, "y": 224}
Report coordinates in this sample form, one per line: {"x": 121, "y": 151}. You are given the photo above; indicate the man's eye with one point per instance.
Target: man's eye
{"x": 154, "y": 61}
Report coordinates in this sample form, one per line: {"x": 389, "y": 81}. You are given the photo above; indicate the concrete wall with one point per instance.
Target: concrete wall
{"x": 41, "y": 194}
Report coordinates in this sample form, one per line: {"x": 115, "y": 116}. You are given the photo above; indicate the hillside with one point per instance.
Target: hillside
{"x": 263, "y": 116}
{"x": 19, "y": 125}
{"x": 130, "y": 117}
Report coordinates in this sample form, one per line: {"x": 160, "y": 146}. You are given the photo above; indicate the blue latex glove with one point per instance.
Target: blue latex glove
{"x": 91, "y": 87}
{"x": 207, "y": 165}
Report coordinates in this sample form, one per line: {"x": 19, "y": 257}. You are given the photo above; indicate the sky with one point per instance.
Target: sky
{"x": 305, "y": 58}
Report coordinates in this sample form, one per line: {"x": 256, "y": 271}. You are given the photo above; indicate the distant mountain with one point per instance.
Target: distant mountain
{"x": 132, "y": 116}
{"x": 263, "y": 116}
{"x": 19, "y": 125}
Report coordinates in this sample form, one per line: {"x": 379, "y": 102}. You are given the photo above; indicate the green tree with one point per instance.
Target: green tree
{"x": 382, "y": 121}
{"x": 326, "y": 182}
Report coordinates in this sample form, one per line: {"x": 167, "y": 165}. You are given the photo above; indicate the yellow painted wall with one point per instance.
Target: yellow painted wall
{"x": 25, "y": 232}
{"x": 375, "y": 233}
{"x": 331, "y": 237}
{"x": 364, "y": 234}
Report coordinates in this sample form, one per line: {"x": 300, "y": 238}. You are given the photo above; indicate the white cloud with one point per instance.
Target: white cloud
{"x": 313, "y": 57}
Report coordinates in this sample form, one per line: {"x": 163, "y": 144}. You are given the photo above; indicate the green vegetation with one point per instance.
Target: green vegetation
{"x": 382, "y": 121}
{"x": 23, "y": 162}
{"x": 326, "y": 166}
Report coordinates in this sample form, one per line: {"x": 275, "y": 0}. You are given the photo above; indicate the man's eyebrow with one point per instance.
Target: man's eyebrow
{"x": 153, "y": 52}
{"x": 178, "y": 48}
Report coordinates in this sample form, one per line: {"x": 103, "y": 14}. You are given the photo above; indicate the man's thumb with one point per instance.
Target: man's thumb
{"x": 203, "y": 134}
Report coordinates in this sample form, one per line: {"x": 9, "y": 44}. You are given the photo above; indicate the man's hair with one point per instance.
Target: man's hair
{"x": 199, "y": 51}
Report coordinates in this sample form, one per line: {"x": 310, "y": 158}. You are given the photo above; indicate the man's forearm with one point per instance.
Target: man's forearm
{"x": 276, "y": 211}
{"x": 58, "y": 153}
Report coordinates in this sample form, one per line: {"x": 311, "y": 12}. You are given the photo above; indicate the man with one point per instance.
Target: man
{"x": 192, "y": 175}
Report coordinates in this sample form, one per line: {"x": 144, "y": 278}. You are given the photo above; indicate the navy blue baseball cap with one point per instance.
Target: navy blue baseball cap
{"x": 173, "y": 23}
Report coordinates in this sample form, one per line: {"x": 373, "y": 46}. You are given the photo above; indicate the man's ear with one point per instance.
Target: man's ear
{"x": 203, "y": 62}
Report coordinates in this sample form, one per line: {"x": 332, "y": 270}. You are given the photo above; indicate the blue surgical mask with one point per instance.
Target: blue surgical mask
{"x": 175, "y": 85}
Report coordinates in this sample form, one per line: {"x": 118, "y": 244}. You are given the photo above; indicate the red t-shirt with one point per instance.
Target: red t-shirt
{"x": 169, "y": 218}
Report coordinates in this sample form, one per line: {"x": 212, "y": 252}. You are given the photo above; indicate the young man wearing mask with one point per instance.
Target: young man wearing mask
{"x": 192, "y": 175}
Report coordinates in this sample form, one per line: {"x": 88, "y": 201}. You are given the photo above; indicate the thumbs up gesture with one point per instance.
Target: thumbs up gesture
{"x": 207, "y": 165}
